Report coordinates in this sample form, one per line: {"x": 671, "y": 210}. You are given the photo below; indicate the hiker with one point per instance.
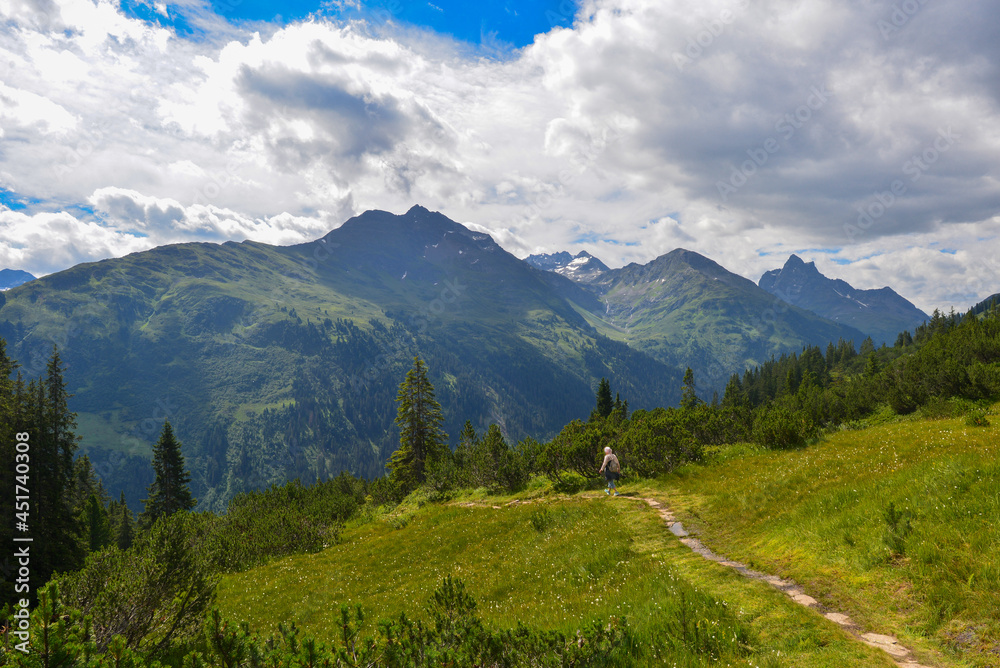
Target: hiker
{"x": 610, "y": 468}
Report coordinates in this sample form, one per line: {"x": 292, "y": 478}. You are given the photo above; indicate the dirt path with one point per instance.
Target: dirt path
{"x": 899, "y": 653}
{"x": 888, "y": 644}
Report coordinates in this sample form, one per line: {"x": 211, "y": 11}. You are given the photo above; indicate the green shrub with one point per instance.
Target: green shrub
{"x": 155, "y": 592}
{"x": 778, "y": 427}
{"x": 282, "y": 520}
{"x": 570, "y": 483}
{"x": 897, "y": 529}
{"x": 541, "y": 519}
{"x": 977, "y": 418}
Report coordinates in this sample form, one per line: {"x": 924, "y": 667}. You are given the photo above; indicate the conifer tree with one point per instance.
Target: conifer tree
{"x": 688, "y": 397}
{"x": 604, "y": 402}
{"x": 467, "y": 440}
{"x": 124, "y": 531}
{"x": 56, "y": 529}
{"x": 169, "y": 491}
{"x": 420, "y": 436}
{"x": 96, "y": 524}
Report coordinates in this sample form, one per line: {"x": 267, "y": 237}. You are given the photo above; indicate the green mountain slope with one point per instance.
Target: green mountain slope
{"x": 686, "y": 310}
{"x": 280, "y": 362}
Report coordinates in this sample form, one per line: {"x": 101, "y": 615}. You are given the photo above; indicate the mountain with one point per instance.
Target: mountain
{"x": 881, "y": 314}
{"x": 688, "y": 311}
{"x": 581, "y": 268}
{"x": 11, "y": 278}
{"x": 279, "y": 362}
{"x": 993, "y": 301}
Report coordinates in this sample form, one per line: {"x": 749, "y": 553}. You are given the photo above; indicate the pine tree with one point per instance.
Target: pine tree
{"x": 420, "y": 436}
{"x": 96, "y": 524}
{"x": 688, "y": 397}
{"x": 124, "y": 531}
{"x": 53, "y": 447}
{"x": 467, "y": 440}
{"x": 169, "y": 491}
{"x": 604, "y": 402}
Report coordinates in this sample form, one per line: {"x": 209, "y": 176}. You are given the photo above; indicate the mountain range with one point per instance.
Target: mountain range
{"x": 582, "y": 267}
{"x": 280, "y": 362}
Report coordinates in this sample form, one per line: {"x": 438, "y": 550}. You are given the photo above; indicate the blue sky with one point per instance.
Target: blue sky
{"x": 512, "y": 23}
{"x": 850, "y": 134}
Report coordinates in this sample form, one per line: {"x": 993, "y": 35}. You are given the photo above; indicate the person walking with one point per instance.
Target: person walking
{"x": 611, "y": 469}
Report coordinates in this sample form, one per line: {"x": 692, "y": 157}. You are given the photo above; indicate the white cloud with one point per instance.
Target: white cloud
{"x": 597, "y": 137}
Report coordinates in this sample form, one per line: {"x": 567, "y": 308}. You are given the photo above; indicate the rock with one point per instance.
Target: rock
{"x": 887, "y": 644}
{"x": 839, "y": 618}
{"x": 806, "y": 600}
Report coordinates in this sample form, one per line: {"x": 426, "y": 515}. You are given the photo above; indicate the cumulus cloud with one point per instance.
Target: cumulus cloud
{"x": 743, "y": 130}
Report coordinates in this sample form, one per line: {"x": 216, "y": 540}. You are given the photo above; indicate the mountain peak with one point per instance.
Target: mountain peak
{"x": 795, "y": 263}
{"x": 880, "y": 313}
{"x": 11, "y": 278}
{"x": 582, "y": 267}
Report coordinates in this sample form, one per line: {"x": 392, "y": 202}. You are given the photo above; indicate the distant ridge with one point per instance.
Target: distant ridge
{"x": 881, "y": 314}
{"x": 687, "y": 310}
{"x": 988, "y": 303}
{"x": 11, "y": 278}
{"x": 582, "y": 267}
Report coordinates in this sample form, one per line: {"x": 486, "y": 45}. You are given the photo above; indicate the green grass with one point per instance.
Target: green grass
{"x": 591, "y": 557}
{"x": 819, "y": 516}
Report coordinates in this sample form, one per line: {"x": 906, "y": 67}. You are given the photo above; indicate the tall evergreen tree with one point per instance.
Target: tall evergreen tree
{"x": 56, "y": 530}
{"x": 604, "y": 402}
{"x": 689, "y": 399}
{"x": 170, "y": 490}
{"x": 96, "y": 524}
{"x": 420, "y": 435}
{"x": 124, "y": 531}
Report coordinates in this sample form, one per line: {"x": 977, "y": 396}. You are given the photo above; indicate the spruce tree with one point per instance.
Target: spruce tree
{"x": 689, "y": 399}
{"x": 56, "y": 530}
{"x": 604, "y": 402}
{"x": 169, "y": 491}
{"x": 420, "y": 436}
{"x": 124, "y": 531}
{"x": 96, "y": 524}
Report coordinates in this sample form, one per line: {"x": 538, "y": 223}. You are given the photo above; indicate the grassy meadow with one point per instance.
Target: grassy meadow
{"x": 555, "y": 564}
{"x": 894, "y": 524}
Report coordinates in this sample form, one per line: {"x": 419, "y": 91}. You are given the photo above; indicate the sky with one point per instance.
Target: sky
{"x": 863, "y": 135}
